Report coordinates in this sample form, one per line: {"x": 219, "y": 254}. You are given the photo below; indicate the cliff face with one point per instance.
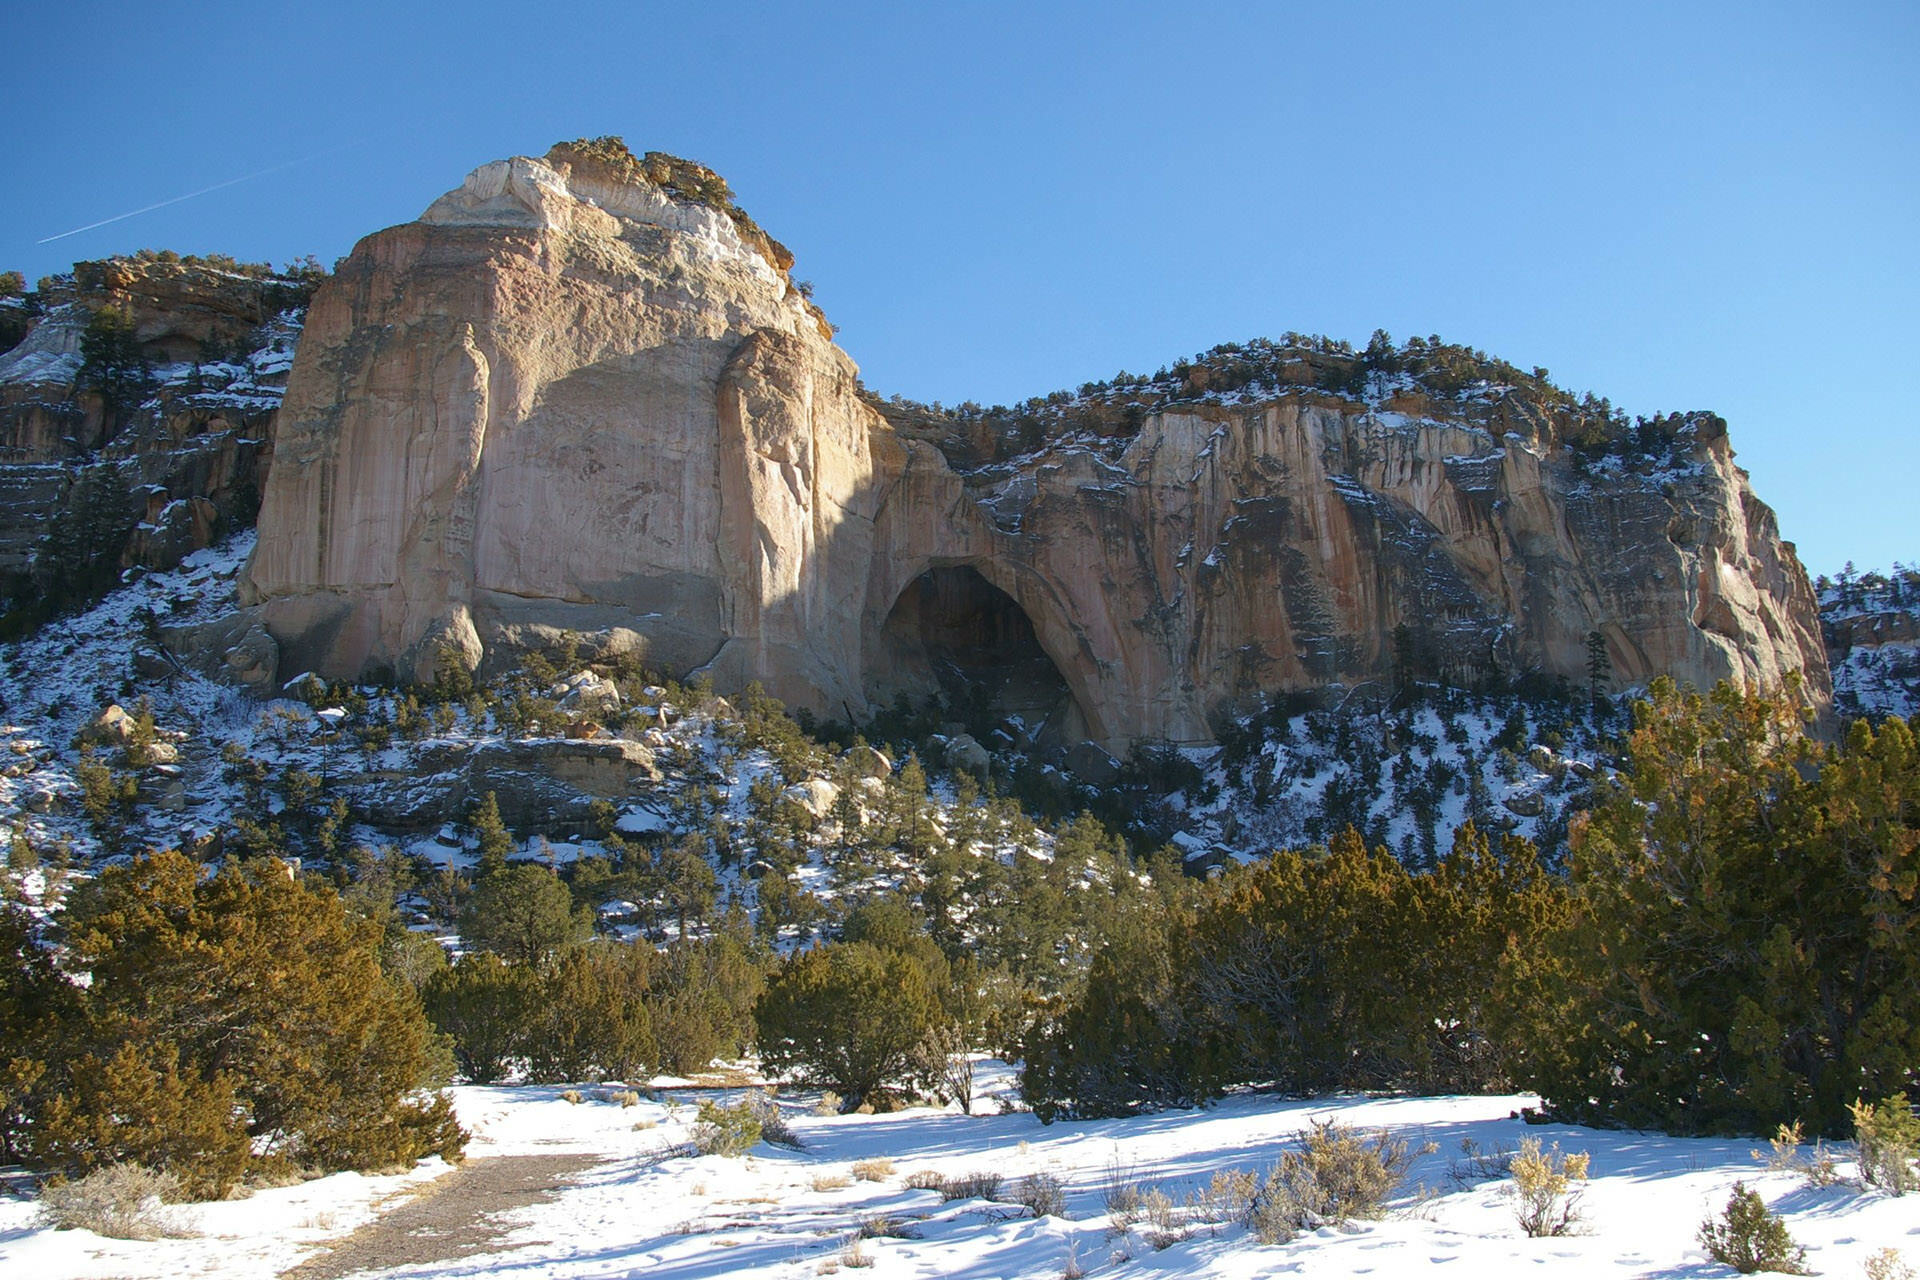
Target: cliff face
{"x": 572, "y": 398}
{"x": 137, "y": 445}
{"x": 1226, "y": 551}
{"x": 566, "y": 401}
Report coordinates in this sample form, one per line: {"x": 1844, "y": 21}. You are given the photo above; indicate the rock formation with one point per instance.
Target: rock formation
{"x": 581, "y": 394}
{"x": 137, "y": 443}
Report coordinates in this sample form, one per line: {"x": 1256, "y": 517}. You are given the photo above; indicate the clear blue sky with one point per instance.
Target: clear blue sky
{"x": 1673, "y": 205}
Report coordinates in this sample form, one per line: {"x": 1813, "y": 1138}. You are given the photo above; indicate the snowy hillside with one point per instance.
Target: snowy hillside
{"x": 573, "y": 763}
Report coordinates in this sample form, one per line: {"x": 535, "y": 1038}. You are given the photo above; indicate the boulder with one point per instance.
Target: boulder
{"x": 254, "y": 659}
{"x": 1091, "y": 765}
{"x": 815, "y": 795}
{"x": 966, "y": 754}
{"x": 170, "y": 796}
{"x": 588, "y": 695}
{"x": 869, "y": 762}
{"x": 1525, "y": 804}
{"x": 150, "y": 663}
{"x": 113, "y": 727}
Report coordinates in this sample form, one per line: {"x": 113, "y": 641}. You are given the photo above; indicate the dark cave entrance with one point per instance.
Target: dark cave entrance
{"x": 954, "y": 636}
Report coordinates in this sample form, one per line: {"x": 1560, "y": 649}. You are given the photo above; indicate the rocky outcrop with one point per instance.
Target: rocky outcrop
{"x": 574, "y": 397}
{"x": 152, "y": 441}
{"x": 1224, "y": 552}
{"x": 1872, "y": 628}
{"x": 565, "y": 401}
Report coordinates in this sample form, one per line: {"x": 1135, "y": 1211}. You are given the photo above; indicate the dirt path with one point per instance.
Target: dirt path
{"x": 450, "y": 1218}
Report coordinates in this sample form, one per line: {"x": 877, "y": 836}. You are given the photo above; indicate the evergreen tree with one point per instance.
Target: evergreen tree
{"x": 496, "y": 843}
{"x": 488, "y": 1009}
{"x": 593, "y": 1023}
{"x": 40, "y": 1012}
{"x": 139, "y": 1107}
{"x": 1485, "y": 972}
{"x": 685, "y": 879}
{"x": 523, "y": 913}
{"x": 854, "y": 1017}
{"x": 1135, "y": 1038}
{"x": 1304, "y": 963}
{"x": 113, "y": 366}
{"x": 257, "y": 979}
{"x": 701, "y": 1003}
{"x": 1746, "y": 952}
{"x": 1599, "y": 671}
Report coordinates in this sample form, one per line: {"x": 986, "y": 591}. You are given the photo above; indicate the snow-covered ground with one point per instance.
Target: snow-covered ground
{"x": 639, "y": 1212}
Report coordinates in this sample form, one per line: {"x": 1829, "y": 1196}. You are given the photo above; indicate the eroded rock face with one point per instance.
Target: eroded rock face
{"x": 561, "y": 401}
{"x": 567, "y": 400}
{"x": 177, "y": 457}
{"x": 1222, "y": 553}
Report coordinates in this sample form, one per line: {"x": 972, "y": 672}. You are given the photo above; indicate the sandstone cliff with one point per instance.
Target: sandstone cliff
{"x": 581, "y": 394}
{"x": 1297, "y": 538}
{"x": 566, "y": 400}
{"x": 136, "y": 442}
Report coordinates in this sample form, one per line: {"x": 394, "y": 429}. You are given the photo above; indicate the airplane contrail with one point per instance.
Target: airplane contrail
{"x": 122, "y": 217}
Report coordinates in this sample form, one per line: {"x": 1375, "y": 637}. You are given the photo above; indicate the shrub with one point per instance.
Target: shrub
{"x": 1545, "y": 1202}
{"x": 1887, "y": 1264}
{"x": 1784, "y": 1156}
{"x": 1043, "y": 1194}
{"x": 979, "y": 1185}
{"x": 1888, "y": 1138}
{"x": 877, "y": 1169}
{"x": 726, "y": 1131}
{"x": 625, "y": 1097}
{"x": 1122, "y": 1189}
{"x": 1748, "y": 1238}
{"x": 119, "y": 1200}
{"x": 831, "y": 1181}
{"x": 1475, "y": 1164}
{"x": 773, "y": 1122}
{"x": 851, "y": 1016}
{"x": 251, "y": 982}
{"x": 1338, "y": 1173}
{"x": 571, "y": 1096}
{"x": 1167, "y": 1222}
{"x": 1227, "y": 1197}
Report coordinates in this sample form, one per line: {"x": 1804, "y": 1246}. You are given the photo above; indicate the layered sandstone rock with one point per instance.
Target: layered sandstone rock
{"x": 1225, "y": 552}
{"x": 206, "y": 353}
{"x": 572, "y": 398}
{"x": 564, "y": 400}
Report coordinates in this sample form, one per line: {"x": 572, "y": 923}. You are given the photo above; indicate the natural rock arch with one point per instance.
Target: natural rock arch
{"x": 959, "y": 626}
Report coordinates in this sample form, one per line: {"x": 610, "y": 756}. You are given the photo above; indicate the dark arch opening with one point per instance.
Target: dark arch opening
{"x": 955, "y": 636}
